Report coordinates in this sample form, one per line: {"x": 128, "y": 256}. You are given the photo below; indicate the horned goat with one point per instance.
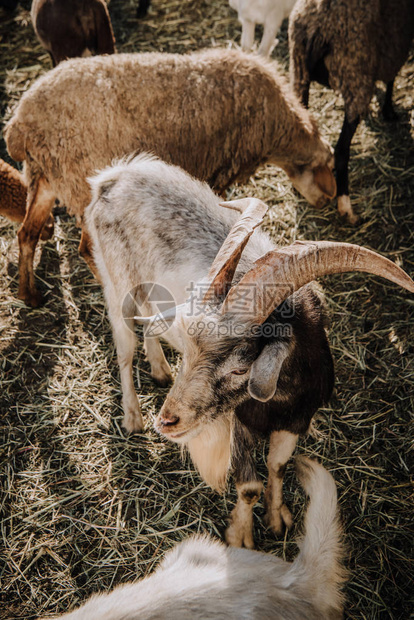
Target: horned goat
{"x": 13, "y": 195}
{"x": 201, "y": 578}
{"x": 270, "y": 13}
{"x": 256, "y": 358}
{"x": 219, "y": 114}
{"x": 69, "y": 28}
{"x": 348, "y": 46}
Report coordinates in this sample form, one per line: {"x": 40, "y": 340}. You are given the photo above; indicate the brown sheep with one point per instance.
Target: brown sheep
{"x": 219, "y": 114}
{"x": 69, "y": 28}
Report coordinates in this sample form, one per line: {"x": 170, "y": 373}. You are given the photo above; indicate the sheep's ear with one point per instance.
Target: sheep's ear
{"x": 325, "y": 180}
{"x": 264, "y": 373}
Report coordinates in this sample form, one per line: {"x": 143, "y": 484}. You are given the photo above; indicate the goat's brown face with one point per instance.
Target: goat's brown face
{"x": 219, "y": 371}
{"x": 316, "y": 182}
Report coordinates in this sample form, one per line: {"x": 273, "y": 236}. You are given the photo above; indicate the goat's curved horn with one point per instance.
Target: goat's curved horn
{"x": 224, "y": 265}
{"x": 277, "y": 274}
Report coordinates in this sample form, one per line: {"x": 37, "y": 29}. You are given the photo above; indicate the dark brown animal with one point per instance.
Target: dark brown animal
{"x": 348, "y": 45}
{"x": 70, "y": 28}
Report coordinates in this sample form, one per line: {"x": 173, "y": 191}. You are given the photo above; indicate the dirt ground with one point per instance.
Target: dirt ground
{"x": 84, "y": 507}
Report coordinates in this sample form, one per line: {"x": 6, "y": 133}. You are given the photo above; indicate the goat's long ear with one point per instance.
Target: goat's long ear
{"x": 265, "y": 371}
{"x": 279, "y": 273}
{"x": 224, "y": 265}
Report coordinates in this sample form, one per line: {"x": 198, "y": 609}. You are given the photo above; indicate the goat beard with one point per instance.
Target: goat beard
{"x": 210, "y": 451}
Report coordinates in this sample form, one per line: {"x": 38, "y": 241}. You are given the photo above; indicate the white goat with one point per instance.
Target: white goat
{"x": 270, "y": 13}
{"x": 202, "y": 579}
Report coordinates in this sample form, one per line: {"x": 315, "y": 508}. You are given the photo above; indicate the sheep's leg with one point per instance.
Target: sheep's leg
{"x": 282, "y": 445}
{"x": 40, "y": 201}
{"x": 269, "y": 37}
{"x": 86, "y": 251}
{"x": 388, "y": 111}
{"x": 160, "y": 369}
{"x": 239, "y": 533}
{"x": 342, "y": 150}
{"x": 247, "y": 38}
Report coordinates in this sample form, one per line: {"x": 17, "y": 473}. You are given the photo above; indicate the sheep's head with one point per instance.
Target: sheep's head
{"x": 315, "y": 180}
{"x": 230, "y": 352}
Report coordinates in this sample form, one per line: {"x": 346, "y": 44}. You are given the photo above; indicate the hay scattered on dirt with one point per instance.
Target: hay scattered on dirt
{"x": 83, "y": 506}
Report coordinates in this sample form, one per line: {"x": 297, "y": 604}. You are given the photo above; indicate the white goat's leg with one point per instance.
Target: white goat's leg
{"x": 160, "y": 369}
{"x": 249, "y": 488}
{"x": 268, "y": 41}
{"x": 125, "y": 342}
{"x": 247, "y": 38}
{"x": 282, "y": 445}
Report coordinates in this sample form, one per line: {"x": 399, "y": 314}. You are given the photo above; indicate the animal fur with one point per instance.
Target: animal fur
{"x": 270, "y": 13}
{"x": 349, "y": 45}
{"x": 70, "y": 28}
{"x": 200, "y": 111}
{"x": 202, "y": 579}
{"x": 13, "y": 194}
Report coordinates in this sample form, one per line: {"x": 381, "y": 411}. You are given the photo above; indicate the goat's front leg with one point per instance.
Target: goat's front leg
{"x": 249, "y": 488}
{"x": 40, "y": 201}
{"x": 342, "y": 151}
{"x": 160, "y": 369}
{"x": 125, "y": 342}
{"x": 282, "y": 445}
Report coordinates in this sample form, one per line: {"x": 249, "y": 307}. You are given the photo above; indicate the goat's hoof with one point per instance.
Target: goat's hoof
{"x": 345, "y": 209}
{"x": 132, "y": 421}
{"x": 34, "y": 299}
{"x": 133, "y": 424}
{"x": 278, "y": 520}
{"x": 238, "y": 537}
{"x": 162, "y": 376}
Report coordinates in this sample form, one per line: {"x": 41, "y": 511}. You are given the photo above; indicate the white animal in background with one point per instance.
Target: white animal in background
{"x": 269, "y": 13}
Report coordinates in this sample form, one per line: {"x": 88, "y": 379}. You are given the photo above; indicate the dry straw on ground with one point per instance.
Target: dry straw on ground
{"x": 84, "y": 507}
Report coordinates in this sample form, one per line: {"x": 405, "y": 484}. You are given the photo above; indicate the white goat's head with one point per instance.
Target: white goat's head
{"x": 234, "y": 351}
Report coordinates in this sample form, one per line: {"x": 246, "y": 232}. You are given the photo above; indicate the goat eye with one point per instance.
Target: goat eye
{"x": 239, "y": 371}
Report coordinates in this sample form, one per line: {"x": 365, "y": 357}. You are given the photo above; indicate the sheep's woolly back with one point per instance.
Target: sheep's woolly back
{"x": 218, "y": 114}
{"x": 12, "y": 193}
{"x": 361, "y": 42}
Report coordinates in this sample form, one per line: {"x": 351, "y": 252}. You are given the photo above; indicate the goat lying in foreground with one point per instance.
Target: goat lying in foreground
{"x": 201, "y": 578}
{"x": 256, "y": 358}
